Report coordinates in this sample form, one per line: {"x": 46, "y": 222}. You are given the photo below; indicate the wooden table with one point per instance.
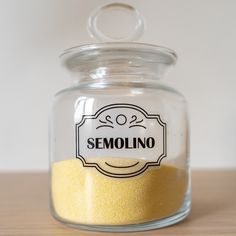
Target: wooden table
{"x": 24, "y": 207}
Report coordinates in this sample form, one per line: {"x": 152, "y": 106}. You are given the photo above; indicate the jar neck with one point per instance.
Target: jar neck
{"x": 112, "y": 60}
{"x": 122, "y": 71}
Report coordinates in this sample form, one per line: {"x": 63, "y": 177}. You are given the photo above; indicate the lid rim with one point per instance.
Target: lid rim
{"x": 93, "y": 50}
{"x": 111, "y": 45}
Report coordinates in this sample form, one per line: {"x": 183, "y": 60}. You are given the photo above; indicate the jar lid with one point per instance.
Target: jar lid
{"x": 114, "y": 47}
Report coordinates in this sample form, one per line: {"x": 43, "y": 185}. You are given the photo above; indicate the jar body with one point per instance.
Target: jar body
{"x": 119, "y": 155}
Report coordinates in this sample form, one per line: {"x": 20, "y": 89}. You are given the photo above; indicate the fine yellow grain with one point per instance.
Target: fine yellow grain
{"x": 84, "y": 195}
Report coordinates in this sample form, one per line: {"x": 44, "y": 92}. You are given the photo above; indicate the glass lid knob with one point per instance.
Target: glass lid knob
{"x": 101, "y": 23}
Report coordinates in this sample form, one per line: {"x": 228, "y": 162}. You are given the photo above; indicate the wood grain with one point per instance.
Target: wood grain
{"x": 24, "y": 207}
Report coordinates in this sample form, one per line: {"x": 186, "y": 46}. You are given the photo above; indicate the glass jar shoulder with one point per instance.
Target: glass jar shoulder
{"x": 151, "y": 94}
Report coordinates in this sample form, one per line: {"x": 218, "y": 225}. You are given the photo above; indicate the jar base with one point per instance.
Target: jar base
{"x": 150, "y": 225}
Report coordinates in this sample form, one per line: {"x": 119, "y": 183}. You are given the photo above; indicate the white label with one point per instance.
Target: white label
{"x": 121, "y": 131}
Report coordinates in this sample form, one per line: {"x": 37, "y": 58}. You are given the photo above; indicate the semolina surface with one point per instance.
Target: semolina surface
{"x": 85, "y": 196}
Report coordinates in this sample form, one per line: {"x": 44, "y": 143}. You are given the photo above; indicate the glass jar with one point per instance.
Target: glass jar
{"x": 119, "y": 141}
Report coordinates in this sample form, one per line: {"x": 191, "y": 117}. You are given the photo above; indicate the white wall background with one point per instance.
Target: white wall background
{"x": 34, "y": 32}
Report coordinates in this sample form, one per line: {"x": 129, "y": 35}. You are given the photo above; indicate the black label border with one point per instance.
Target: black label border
{"x": 121, "y": 105}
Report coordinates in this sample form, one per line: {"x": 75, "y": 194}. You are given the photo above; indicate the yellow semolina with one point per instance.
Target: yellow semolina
{"x": 83, "y": 195}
